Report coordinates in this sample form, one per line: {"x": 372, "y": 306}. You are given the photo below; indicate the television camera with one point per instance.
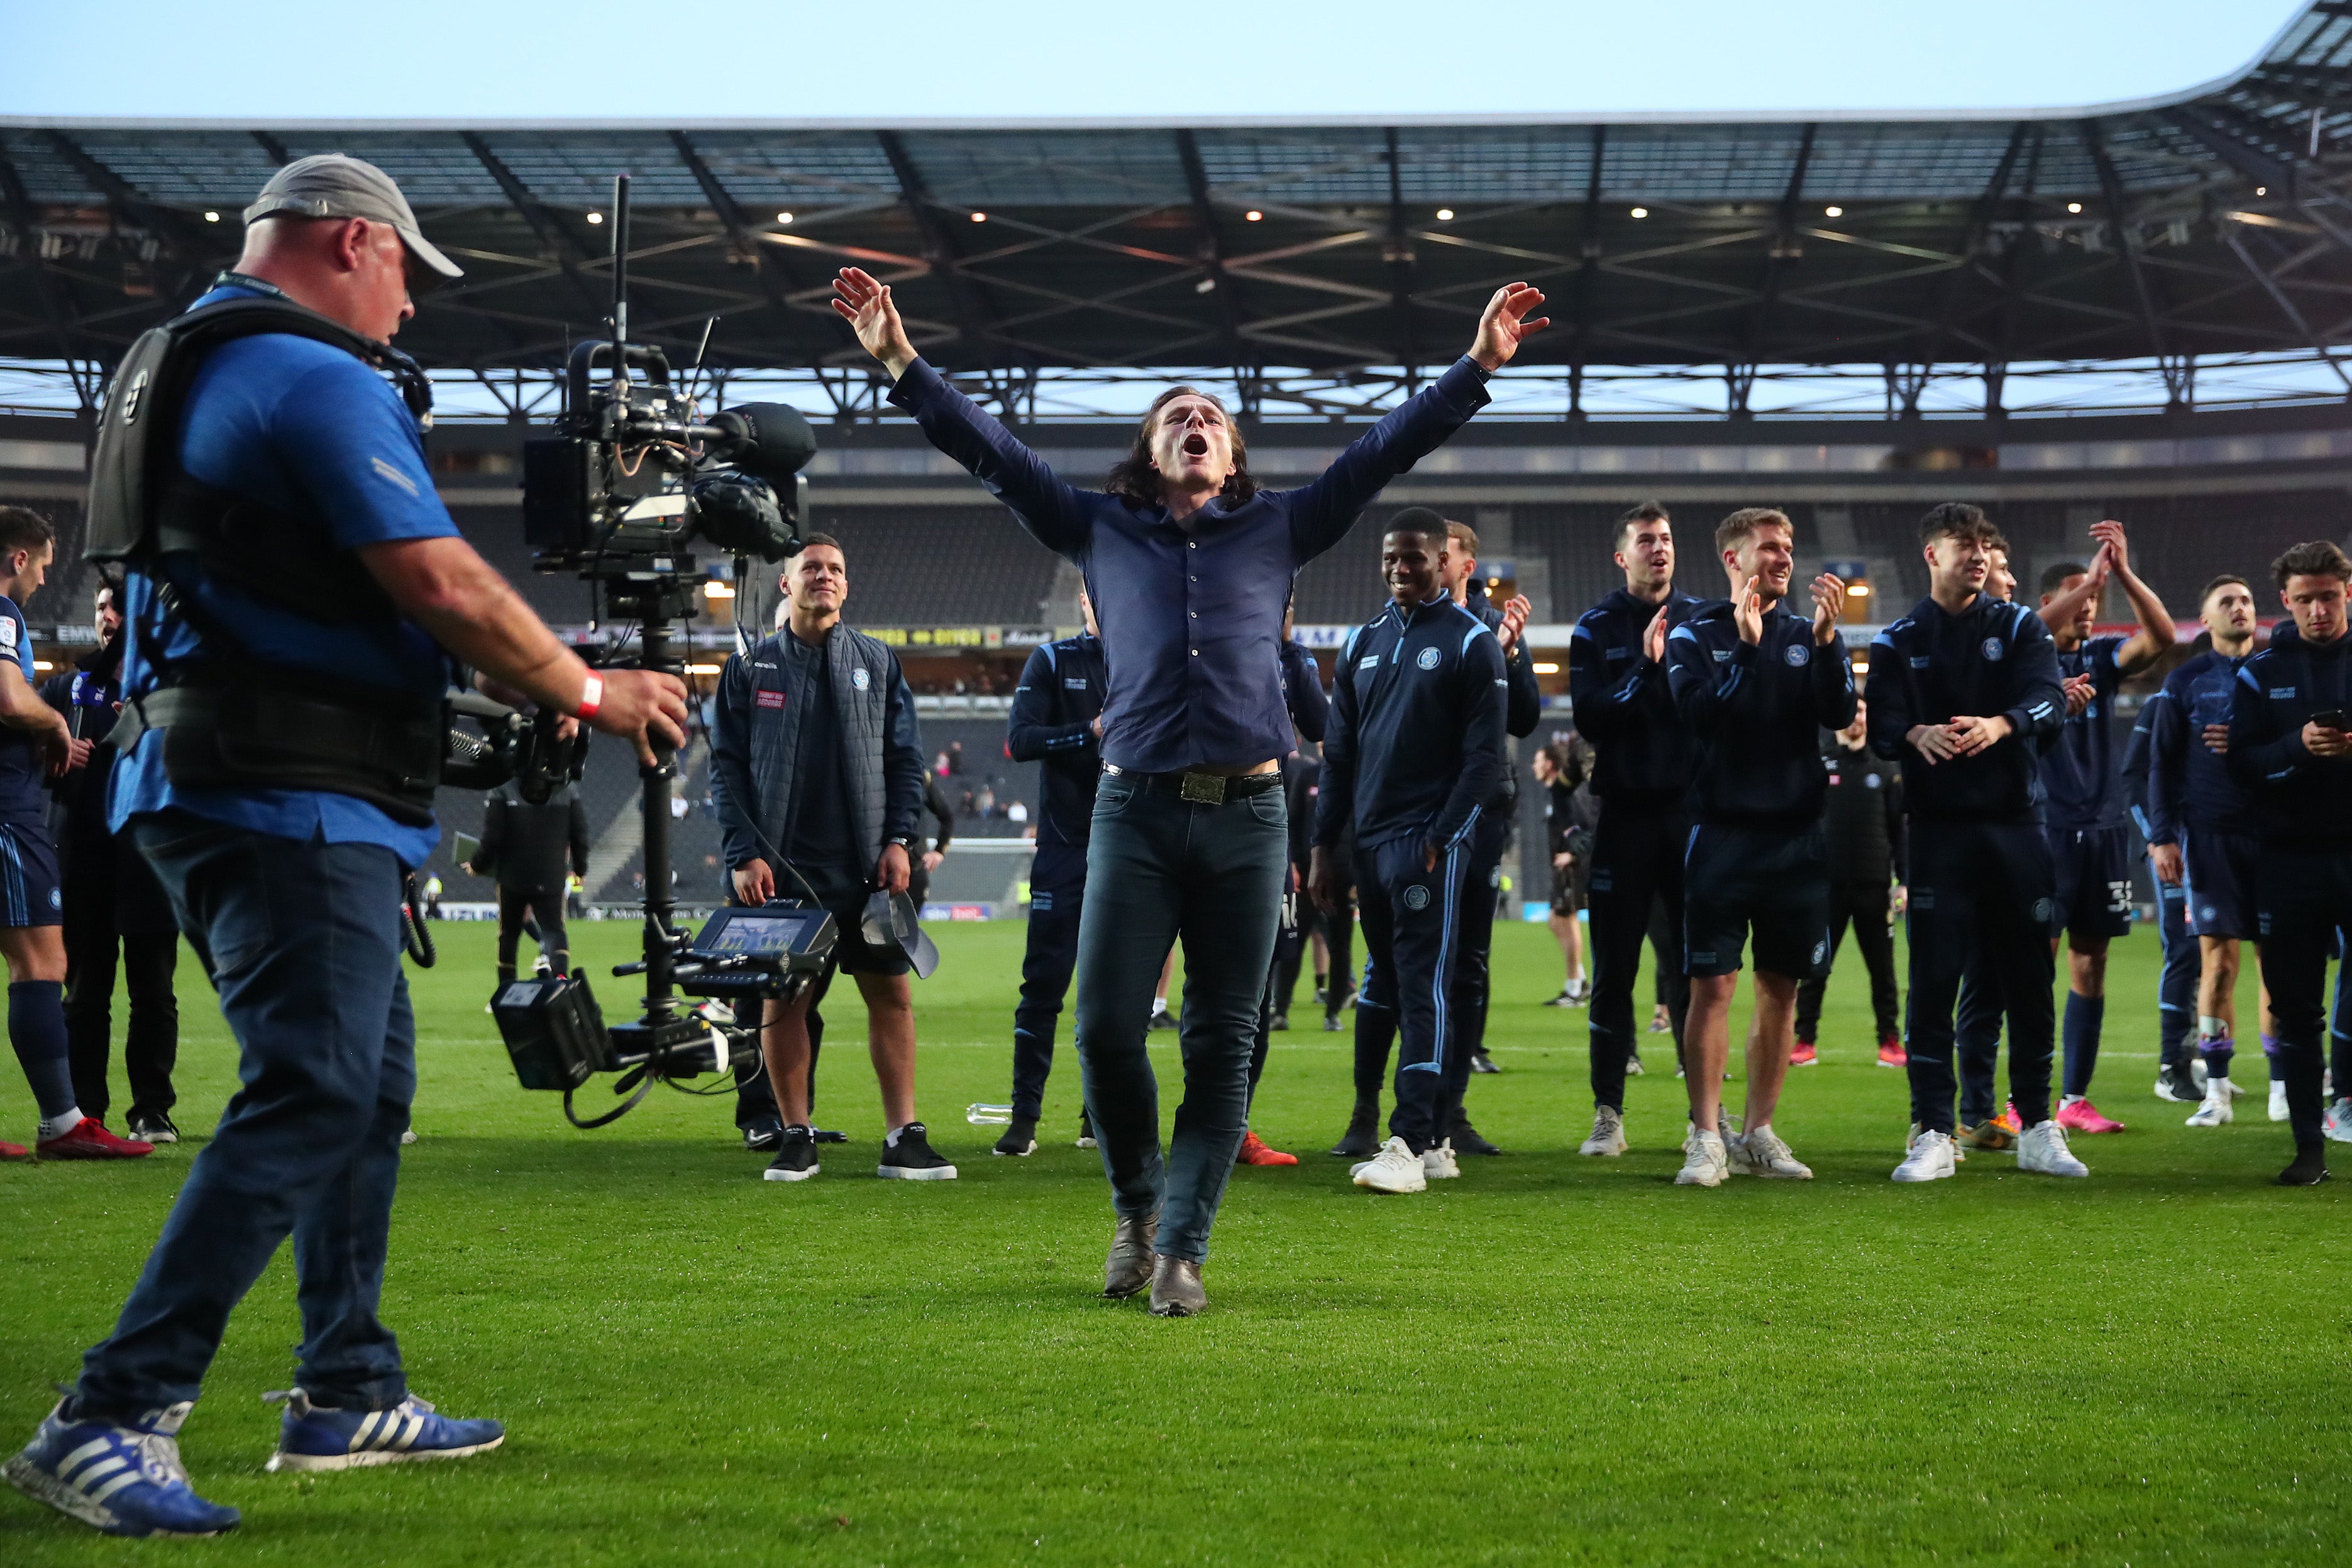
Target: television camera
{"x": 632, "y": 477}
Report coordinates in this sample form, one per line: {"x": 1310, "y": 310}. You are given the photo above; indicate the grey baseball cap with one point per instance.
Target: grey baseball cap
{"x": 333, "y": 185}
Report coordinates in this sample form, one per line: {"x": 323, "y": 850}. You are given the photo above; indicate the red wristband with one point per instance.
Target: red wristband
{"x": 591, "y": 696}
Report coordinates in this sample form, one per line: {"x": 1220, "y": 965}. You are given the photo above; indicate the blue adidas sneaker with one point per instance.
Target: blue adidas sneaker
{"x": 314, "y": 1437}
{"x": 125, "y": 1479}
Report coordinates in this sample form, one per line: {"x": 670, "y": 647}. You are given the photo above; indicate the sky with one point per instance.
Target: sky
{"x": 1035, "y": 61}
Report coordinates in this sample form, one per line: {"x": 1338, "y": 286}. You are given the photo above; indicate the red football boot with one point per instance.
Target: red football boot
{"x": 1804, "y": 1056}
{"x": 1254, "y": 1152}
{"x": 90, "y": 1139}
{"x": 14, "y": 1152}
{"x": 1891, "y": 1054}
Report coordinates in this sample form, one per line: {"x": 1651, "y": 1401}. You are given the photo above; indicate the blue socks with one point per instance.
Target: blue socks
{"x": 37, "y": 1027}
{"x": 2218, "y": 1054}
{"x": 2084, "y": 1014}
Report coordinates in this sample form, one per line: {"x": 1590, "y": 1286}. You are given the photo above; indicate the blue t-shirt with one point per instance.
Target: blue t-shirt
{"x": 2079, "y": 778}
{"x": 22, "y": 765}
{"x": 307, "y": 430}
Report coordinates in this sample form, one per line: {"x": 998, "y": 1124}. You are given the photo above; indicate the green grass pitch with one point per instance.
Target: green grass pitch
{"x": 1552, "y": 1360}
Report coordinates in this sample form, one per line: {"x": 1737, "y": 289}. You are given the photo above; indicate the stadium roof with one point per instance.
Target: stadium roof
{"x": 2215, "y": 222}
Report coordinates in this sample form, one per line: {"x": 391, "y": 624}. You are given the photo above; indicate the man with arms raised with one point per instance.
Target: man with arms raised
{"x": 2090, "y": 837}
{"x": 1411, "y": 760}
{"x": 2288, "y": 748}
{"x": 2202, "y": 837}
{"x": 1960, "y": 691}
{"x": 1756, "y": 684}
{"x": 1617, "y": 679}
{"x": 1190, "y": 565}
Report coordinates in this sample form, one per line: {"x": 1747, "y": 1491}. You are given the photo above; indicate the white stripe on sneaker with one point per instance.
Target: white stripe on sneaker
{"x": 408, "y": 1433}
{"x": 99, "y": 1471}
{"x": 366, "y": 1428}
{"x": 88, "y": 1451}
{"x": 114, "y": 1486}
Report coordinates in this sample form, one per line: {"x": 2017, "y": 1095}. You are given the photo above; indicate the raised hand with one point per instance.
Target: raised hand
{"x": 865, "y": 304}
{"x": 1748, "y": 613}
{"x": 1515, "y": 621}
{"x": 1504, "y": 326}
{"x": 1653, "y": 638}
{"x": 2110, "y": 536}
{"x": 1829, "y": 607}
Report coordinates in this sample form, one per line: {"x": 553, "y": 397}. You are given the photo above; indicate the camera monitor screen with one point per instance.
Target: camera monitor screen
{"x": 768, "y": 936}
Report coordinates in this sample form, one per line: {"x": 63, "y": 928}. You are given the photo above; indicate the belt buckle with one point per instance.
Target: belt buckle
{"x": 1203, "y": 789}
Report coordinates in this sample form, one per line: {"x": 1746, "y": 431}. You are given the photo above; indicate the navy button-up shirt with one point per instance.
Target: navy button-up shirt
{"x": 1191, "y": 615}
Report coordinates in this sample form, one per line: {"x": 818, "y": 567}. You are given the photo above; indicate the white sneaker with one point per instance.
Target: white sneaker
{"x": 1395, "y": 1169}
{"x": 2236, "y": 1089}
{"x": 1762, "y": 1154}
{"x": 2278, "y": 1100}
{"x": 2044, "y": 1150}
{"x": 1727, "y": 1126}
{"x": 1927, "y": 1158}
{"x": 2215, "y": 1111}
{"x": 2338, "y": 1125}
{"x": 1438, "y": 1163}
{"x": 1705, "y": 1161}
{"x": 1608, "y": 1138}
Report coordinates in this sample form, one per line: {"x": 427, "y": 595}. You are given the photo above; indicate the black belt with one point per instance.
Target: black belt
{"x": 1202, "y": 789}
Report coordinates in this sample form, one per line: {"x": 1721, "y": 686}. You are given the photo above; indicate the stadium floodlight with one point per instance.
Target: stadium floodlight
{"x": 595, "y": 217}
{"x": 2074, "y": 206}
{"x": 1253, "y": 216}
{"x": 783, "y": 218}
{"x": 1640, "y": 212}
{"x": 1833, "y": 212}
{"x": 1445, "y": 215}
{"x": 980, "y": 217}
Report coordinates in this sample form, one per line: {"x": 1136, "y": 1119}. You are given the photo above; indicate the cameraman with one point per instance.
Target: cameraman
{"x": 816, "y": 773}
{"x": 291, "y": 895}
{"x": 113, "y": 901}
{"x": 528, "y": 850}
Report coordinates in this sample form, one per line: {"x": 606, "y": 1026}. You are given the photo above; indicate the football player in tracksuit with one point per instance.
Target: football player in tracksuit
{"x": 1617, "y": 679}
{"x": 2090, "y": 838}
{"x": 1056, "y": 720}
{"x": 1414, "y": 757}
{"x": 1523, "y": 706}
{"x": 2176, "y": 985}
{"x": 2201, "y": 839}
{"x": 1960, "y": 689}
{"x": 1756, "y": 685}
{"x": 2288, "y": 747}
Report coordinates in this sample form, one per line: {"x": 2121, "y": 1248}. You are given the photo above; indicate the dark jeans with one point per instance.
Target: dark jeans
{"x": 1979, "y": 891}
{"x": 302, "y": 943}
{"x": 1057, "y": 886}
{"x": 1160, "y": 869}
{"x": 1637, "y": 861}
{"x": 1864, "y": 905}
{"x": 519, "y": 905}
{"x": 2305, "y": 894}
{"x": 151, "y": 1045}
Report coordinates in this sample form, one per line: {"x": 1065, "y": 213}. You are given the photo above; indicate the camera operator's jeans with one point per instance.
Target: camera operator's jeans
{"x": 302, "y": 943}
{"x": 1159, "y": 867}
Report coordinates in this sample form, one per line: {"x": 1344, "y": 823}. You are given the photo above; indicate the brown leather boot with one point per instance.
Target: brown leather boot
{"x": 1176, "y": 1289}
{"x": 1128, "y": 1270}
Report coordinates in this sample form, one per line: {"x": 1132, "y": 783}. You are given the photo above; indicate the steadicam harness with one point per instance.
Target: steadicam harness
{"x": 230, "y": 718}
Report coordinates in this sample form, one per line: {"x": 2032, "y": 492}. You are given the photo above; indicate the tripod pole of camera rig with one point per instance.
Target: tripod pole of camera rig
{"x": 661, "y": 957}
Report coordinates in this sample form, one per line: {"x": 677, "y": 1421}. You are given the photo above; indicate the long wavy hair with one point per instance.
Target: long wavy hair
{"x": 1133, "y": 478}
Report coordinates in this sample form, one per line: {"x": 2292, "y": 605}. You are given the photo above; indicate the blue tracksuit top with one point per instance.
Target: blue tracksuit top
{"x": 1932, "y": 666}
{"x": 1054, "y": 710}
{"x": 1622, "y": 705}
{"x": 1190, "y": 613}
{"x": 2299, "y": 801}
{"x": 1756, "y": 712}
{"x": 1415, "y": 744}
{"x": 2189, "y": 784}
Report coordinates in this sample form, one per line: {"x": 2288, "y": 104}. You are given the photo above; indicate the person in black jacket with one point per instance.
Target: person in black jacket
{"x": 112, "y": 897}
{"x": 1960, "y": 689}
{"x": 1617, "y": 680}
{"x": 530, "y": 851}
{"x": 919, "y": 879}
{"x": 1755, "y": 684}
{"x": 2290, "y": 750}
{"x": 1411, "y": 757}
{"x": 1481, "y": 879}
{"x": 1056, "y": 723}
{"x": 1861, "y": 822}
{"x": 1564, "y": 768}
